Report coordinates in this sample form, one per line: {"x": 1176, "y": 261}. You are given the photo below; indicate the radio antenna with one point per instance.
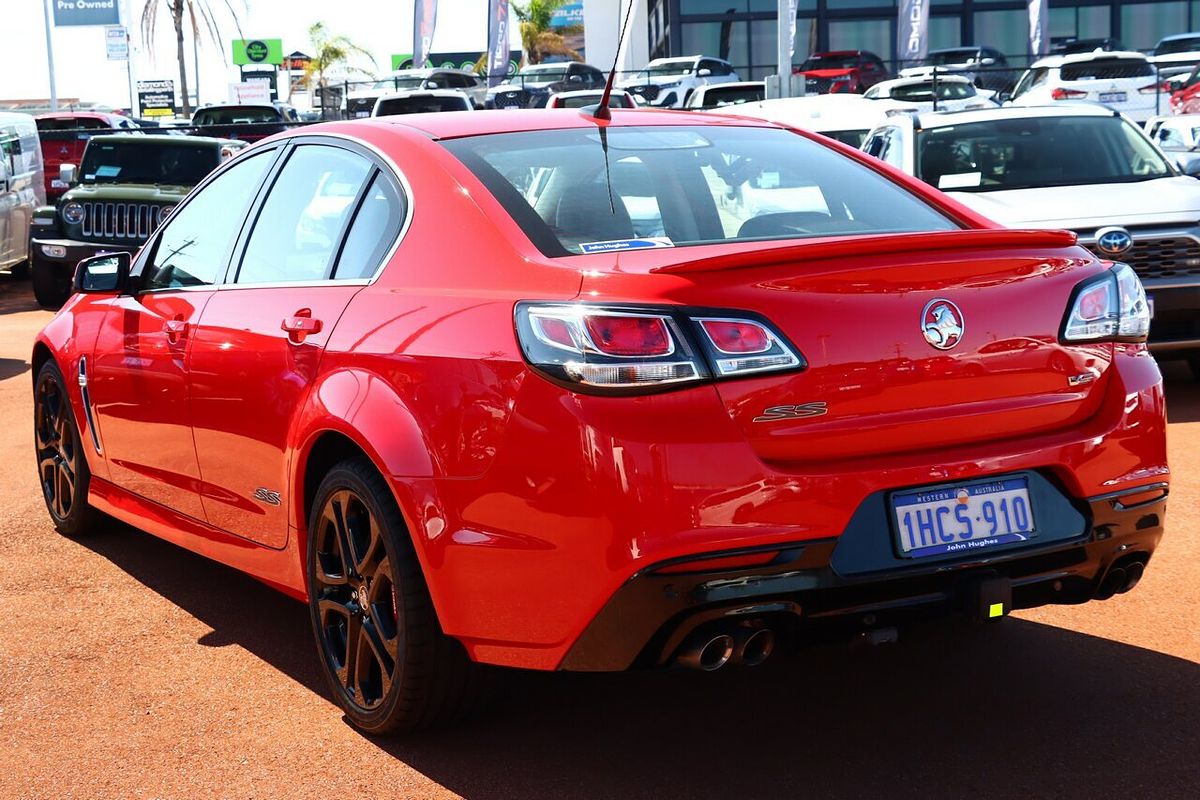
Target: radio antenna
{"x": 602, "y": 111}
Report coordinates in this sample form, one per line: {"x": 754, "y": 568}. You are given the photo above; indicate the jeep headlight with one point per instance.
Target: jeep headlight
{"x": 164, "y": 212}
{"x": 671, "y": 85}
{"x": 72, "y": 213}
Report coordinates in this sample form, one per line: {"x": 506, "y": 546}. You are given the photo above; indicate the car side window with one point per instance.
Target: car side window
{"x": 374, "y": 229}
{"x": 1170, "y": 137}
{"x": 298, "y": 229}
{"x": 437, "y": 81}
{"x": 194, "y": 245}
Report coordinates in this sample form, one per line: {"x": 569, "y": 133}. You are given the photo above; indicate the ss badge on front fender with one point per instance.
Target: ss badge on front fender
{"x": 801, "y": 411}
{"x": 266, "y": 496}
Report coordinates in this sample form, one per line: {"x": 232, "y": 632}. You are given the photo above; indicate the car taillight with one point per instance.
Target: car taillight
{"x": 1109, "y": 307}
{"x": 644, "y": 347}
{"x": 1155, "y": 88}
{"x": 1067, "y": 94}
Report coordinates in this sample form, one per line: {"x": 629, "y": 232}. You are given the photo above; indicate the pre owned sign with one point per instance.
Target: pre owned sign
{"x": 86, "y": 12}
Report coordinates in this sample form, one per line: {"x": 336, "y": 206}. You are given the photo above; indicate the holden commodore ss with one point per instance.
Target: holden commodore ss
{"x": 541, "y": 390}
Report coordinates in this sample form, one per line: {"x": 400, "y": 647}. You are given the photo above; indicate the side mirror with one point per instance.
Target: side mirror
{"x": 987, "y": 62}
{"x": 103, "y": 274}
{"x": 1002, "y": 97}
{"x": 66, "y": 174}
{"x": 575, "y": 79}
{"x": 1193, "y": 168}
{"x": 704, "y": 73}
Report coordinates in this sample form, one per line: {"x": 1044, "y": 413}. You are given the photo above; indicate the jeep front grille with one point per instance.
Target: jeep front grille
{"x": 1175, "y": 257}
{"x": 121, "y": 222}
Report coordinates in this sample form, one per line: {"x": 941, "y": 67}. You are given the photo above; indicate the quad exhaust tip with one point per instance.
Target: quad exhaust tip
{"x": 707, "y": 653}
{"x": 753, "y": 646}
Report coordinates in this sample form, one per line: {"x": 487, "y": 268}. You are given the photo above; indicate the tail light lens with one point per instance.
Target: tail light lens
{"x": 628, "y": 348}
{"x": 1155, "y": 88}
{"x": 1109, "y": 307}
{"x": 1067, "y": 94}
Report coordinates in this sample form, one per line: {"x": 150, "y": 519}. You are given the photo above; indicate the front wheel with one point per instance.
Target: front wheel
{"x": 388, "y": 664}
{"x": 62, "y": 466}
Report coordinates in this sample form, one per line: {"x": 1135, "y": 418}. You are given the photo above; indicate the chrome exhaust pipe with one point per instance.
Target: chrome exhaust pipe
{"x": 706, "y": 652}
{"x": 1133, "y": 573}
{"x": 753, "y": 646}
{"x": 1113, "y": 582}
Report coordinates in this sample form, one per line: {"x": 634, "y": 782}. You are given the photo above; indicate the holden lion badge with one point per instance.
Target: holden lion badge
{"x": 942, "y": 324}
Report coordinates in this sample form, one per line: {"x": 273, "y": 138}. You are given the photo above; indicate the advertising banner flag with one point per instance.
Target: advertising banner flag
{"x": 424, "y": 21}
{"x": 912, "y": 32}
{"x": 497, "y": 61}
{"x": 1039, "y": 27}
{"x": 792, "y": 7}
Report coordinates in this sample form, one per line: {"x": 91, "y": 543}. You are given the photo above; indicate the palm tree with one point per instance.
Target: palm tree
{"x": 538, "y": 39}
{"x": 328, "y": 52}
{"x": 201, "y": 14}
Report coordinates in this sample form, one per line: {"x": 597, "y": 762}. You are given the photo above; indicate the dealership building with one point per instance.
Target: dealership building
{"x": 743, "y": 31}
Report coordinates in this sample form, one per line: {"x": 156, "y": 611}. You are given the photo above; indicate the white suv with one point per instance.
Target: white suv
{"x": 668, "y": 82}
{"x": 1082, "y": 168}
{"x": 1123, "y": 81}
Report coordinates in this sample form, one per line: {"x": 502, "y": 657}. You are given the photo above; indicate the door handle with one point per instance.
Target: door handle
{"x": 175, "y": 328}
{"x": 300, "y": 326}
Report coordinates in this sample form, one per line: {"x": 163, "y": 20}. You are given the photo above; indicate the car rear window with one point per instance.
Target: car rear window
{"x": 590, "y": 190}
{"x": 732, "y": 96}
{"x": 420, "y": 104}
{"x": 236, "y": 115}
{"x": 923, "y": 92}
{"x": 1107, "y": 69}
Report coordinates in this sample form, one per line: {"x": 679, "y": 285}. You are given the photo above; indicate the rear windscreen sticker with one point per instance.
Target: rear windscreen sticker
{"x": 626, "y": 244}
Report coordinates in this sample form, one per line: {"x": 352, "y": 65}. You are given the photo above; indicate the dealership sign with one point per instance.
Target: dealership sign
{"x": 156, "y": 98}
{"x": 912, "y": 32}
{"x": 257, "y": 51}
{"x": 86, "y": 12}
{"x": 116, "y": 43}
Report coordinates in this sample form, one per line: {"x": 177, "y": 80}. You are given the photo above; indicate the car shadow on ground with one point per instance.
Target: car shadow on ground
{"x": 16, "y": 294}
{"x": 1183, "y": 392}
{"x": 1017, "y": 709}
{"x": 12, "y": 366}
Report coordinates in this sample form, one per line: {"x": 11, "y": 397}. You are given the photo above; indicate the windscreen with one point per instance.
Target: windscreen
{"x": 1186, "y": 44}
{"x": 550, "y": 75}
{"x": 235, "y": 115}
{"x": 420, "y": 104}
{"x": 1035, "y": 152}
{"x": 408, "y": 82}
{"x": 830, "y": 61}
{"x": 1107, "y": 69}
{"x": 588, "y": 190}
{"x": 676, "y": 67}
{"x": 923, "y": 92}
{"x": 732, "y": 96}
{"x": 135, "y": 162}
{"x": 854, "y": 138}
{"x": 943, "y": 57}
{"x": 589, "y": 99}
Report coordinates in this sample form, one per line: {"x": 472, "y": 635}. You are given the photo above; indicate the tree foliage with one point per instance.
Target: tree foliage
{"x": 537, "y": 37}
{"x": 202, "y": 17}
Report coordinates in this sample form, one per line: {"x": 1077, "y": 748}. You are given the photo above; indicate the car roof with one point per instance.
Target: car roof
{"x": 1083, "y": 58}
{"x": 942, "y": 119}
{"x": 1174, "y": 37}
{"x": 586, "y": 92}
{"x": 271, "y": 106}
{"x": 441, "y": 126}
{"x": 423, "y": 93}
{"x": 823, "y": 112}
{"x": 105, "y": 115}
{"x": 732, "y": 85}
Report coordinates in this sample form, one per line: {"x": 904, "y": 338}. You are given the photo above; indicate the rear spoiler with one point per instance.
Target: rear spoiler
{"x": 859, "y": 246}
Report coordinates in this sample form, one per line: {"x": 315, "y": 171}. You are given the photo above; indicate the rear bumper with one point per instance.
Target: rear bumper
{"x": 807, "y": 587}
{"x": 1175, "y": 329}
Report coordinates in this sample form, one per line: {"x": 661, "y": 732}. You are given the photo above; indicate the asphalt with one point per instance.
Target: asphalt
{"x": 130, "y": 668}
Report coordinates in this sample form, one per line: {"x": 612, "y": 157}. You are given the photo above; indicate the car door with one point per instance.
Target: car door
{"x": 138, "y": 374}
{"x": 260, "y": 340}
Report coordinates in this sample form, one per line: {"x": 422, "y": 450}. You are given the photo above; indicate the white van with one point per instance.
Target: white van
{"x": 22, "y": 189}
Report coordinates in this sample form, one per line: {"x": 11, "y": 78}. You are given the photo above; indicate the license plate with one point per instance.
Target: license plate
{"x": 1113, "y": 97}
{"x": 964, "y": 518}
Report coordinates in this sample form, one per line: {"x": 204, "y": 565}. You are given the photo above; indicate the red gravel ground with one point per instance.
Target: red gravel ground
{"x": 130, "y": 668}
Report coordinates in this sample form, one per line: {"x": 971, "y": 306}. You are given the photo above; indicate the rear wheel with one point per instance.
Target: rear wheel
{"x": 388, "y": 664}
{"x": 62, "y": 467}
{"x": 49, "y": 289}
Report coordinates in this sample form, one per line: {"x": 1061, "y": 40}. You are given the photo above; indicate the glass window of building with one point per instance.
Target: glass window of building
{"x": 1144, "y": 24}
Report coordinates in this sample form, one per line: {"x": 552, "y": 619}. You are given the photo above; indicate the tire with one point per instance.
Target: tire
{"x": 429, "y": 679}
{"x": 1194, "y": 362}
{"x": 49, "y": 289}
{"x": 62, "y": 465}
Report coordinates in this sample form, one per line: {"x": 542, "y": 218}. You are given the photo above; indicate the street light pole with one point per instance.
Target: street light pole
{"x": 50, "y": 56}
{"x": 784, "y": 47}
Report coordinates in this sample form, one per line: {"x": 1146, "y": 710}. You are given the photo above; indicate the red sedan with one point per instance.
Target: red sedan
{"x": 533, "y": 389}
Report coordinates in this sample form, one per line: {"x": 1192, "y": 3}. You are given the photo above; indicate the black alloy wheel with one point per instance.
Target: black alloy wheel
{"x": 62, "y": 466}
{"x": 388, "y": 664}
{"x": 356, "y": 600}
